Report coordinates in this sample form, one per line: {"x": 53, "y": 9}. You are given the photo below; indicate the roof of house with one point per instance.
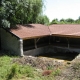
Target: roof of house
{"x": 30, "y": 31}
{"x": 38, "y": 30}
{"x": 65, "y": 30}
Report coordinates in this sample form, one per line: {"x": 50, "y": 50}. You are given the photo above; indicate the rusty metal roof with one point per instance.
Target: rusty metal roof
{"x": 31, "y": 31}
{"x": 65, "y": 30}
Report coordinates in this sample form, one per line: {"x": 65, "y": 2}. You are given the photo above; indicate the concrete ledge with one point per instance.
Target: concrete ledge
{"x": 36, "y": 51}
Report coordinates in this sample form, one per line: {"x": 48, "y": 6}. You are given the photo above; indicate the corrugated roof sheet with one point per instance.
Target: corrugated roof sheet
{"x": 66, "y": 30}
{"x": 31, "y": 31}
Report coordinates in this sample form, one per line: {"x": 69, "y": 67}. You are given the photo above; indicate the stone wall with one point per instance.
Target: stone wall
{"x": 36, "y": 51}
{"x": 11, "y": 43}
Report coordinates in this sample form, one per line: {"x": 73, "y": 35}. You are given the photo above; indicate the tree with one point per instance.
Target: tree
{"x": 62, "y": 21}
{"x": 43, "y": 19}
{"x": 19, "y": 11}
{"x": 69, "y": 20}
{"x": 54, "y": 21}
{"x": 78, "y": 20}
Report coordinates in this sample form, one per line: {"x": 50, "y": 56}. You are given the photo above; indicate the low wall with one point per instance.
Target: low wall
{"x": 37, "y": 51}
{"x": 50, "y": 49}
{"x": 64, "y": 49}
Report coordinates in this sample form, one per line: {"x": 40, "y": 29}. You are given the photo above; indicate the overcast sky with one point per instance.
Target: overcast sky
{"x": 62, "y": 9}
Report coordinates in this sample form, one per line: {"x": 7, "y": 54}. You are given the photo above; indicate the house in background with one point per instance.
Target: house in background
{"x": 35, "y": 39}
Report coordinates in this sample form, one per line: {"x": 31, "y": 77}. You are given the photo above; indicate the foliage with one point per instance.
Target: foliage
{"x": 54, "y": 21}
{"x": 78, "y": 20}
{"x": 43, "y": 19}
{"x": 69, "y": 20}
{"x": 20, "y": 11}
{"x": 66, "y": 21}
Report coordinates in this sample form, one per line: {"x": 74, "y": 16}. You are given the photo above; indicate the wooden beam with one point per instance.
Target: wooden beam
{"x": 68, "y": 36}
{"x": 35, "y": 37}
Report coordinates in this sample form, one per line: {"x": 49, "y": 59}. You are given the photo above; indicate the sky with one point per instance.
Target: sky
{"x": 62, "y": 9}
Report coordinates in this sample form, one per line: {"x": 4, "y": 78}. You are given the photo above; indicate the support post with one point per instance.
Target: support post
{"x": 49, "y": 40}
{"x": 68, "y": 42}
{"x": 35, "y": 43}
{"x": 21, "y": 47}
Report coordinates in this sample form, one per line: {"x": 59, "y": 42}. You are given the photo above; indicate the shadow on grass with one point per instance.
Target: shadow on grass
{"x": 12, "y": 74}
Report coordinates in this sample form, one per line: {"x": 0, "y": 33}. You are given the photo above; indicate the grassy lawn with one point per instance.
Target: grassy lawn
{"x": 16, "y": 71}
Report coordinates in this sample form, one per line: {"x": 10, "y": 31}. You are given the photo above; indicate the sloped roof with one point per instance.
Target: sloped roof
{"x": 65, "y": 30}
{"x": 38, "y": 30}
{"x": 31, "y": 31}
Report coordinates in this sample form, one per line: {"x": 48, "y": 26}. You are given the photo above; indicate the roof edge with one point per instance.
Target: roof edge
{"x": 11, "y": 33}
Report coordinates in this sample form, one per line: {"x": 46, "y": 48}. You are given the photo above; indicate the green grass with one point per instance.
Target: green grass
{"x": 9, "y": 70}
{"x": 15, "y": 71}
{"x": 4, "y": 67}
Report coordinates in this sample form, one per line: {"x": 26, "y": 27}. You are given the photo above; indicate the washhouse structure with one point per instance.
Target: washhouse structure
{"x": 30, "y": 39}
{"x": 35, "y": 39}
{"x": 66, "y": 36}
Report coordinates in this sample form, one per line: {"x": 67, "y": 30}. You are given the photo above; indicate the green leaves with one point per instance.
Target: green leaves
{"x": 43, "y": 19}
{"x": 19, "y": 11}
{"x": 6, "y": 23}
{"x": 66, "y": 21}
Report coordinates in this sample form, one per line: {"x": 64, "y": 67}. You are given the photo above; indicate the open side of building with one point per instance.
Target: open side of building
{"x": 29, "y": 39}
{"x": 66, "y": 36}
{"x": 35, "y": 39}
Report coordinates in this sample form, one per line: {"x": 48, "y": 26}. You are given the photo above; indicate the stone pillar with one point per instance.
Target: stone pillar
{"x": 21, "y": 47}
